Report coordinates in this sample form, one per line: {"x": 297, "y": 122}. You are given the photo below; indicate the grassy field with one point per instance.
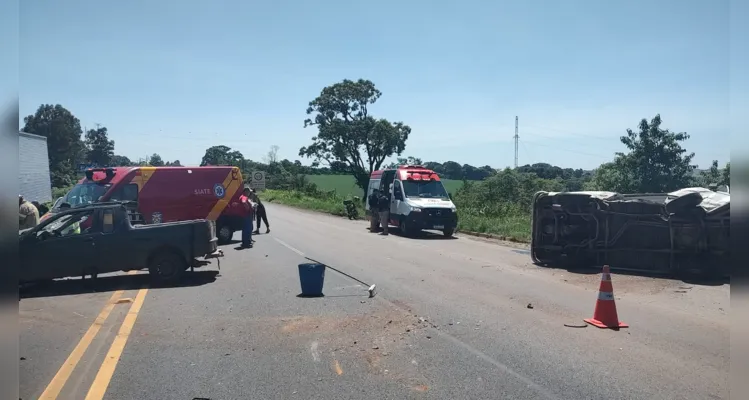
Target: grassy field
{"x": 493, "y": 218}
{"x": 345, "y": 185}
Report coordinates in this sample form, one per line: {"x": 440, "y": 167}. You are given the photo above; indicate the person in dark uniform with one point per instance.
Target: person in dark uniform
{"x": 374, "y": 211}
{"x": 383, "y": 206}
{"x": 260, "y": 213}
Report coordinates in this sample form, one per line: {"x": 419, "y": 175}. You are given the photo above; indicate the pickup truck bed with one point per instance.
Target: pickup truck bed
{"x": 100, "y": 239}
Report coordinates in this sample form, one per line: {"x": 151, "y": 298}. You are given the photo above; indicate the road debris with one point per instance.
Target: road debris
{"x": 576, "y": 325}
{"x": 529, "y": 306}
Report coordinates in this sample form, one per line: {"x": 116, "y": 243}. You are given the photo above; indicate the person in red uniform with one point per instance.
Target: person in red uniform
{"x": 249, "y": 207}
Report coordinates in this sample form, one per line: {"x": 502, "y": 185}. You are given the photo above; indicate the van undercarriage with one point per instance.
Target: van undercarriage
{"x": 686, "y": 231}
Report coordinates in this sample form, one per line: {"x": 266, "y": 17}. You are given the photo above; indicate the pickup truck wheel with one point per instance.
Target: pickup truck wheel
{"x": 448, "y": 232}
{"x": 224, "y": 234}
{"x": 166, "y": 266}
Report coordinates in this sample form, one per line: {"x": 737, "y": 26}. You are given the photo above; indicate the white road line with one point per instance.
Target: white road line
{"x": 314, "y": 351}
{"x": 288, "y": 246}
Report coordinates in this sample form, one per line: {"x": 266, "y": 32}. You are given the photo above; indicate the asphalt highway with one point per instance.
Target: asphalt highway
{"x": 454, "y": 318}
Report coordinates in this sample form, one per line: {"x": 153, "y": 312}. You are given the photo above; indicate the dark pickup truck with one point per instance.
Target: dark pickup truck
{"x": 99, "y": 238}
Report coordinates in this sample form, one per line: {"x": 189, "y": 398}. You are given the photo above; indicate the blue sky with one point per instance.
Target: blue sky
{"x": 175, "y": 77}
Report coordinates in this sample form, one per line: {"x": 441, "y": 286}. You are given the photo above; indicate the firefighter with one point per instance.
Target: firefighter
{"x": 249, "y": 208}
{"x": 260, "y": 213}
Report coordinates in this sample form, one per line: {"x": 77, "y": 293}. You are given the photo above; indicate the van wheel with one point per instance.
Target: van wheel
{"x": 448, "y": 232}
{"x": 405, "y": 229}
{"x": 166, "y": 267}
{"x": 224, "y": 234}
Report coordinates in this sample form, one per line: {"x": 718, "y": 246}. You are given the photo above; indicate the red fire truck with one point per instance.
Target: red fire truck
{"x": 166, "y": 194}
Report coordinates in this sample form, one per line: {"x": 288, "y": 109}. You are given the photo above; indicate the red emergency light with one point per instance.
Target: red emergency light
{"x": 109, "y": 172}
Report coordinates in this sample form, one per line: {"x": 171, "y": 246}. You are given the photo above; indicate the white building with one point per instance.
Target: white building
{"x": 33, "y": 178}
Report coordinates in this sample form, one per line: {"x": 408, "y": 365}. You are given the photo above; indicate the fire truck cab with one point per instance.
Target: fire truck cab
{"x": 418, "y": 200}
{"x": 165, "y": 194}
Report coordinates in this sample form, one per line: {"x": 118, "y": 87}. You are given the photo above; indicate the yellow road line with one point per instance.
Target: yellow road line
{"x": 101, "y": 382}
{"x": 57, "y": 383}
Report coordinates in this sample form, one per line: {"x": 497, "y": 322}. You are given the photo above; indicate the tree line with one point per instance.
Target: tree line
{"x": 350, "y": 140}
{"x": 69, "y": 146}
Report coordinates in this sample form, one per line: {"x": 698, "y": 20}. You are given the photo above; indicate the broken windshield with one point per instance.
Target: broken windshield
{"x": 85, "y": 193}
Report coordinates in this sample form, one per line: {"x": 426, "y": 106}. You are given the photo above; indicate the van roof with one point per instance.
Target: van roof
{"x": 100, "y": 175}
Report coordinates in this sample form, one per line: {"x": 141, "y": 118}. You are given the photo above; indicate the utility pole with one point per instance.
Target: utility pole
{"x": 516, "y": 141}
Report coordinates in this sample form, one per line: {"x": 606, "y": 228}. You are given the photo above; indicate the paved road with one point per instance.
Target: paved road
{"x": 458, "y": 318}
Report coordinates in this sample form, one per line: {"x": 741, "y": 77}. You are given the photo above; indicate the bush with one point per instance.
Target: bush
{"x": 311, "y": 199}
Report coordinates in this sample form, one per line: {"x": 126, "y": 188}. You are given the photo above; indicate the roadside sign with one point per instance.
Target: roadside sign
{"x": 257, "y": 180}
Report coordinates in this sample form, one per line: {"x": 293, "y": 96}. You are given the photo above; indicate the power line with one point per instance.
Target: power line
{"x": 568, "y": 150}
{"x": 571, "y": 133}
{"x": 558, "y": 138}
{"x": 517, "y": 138}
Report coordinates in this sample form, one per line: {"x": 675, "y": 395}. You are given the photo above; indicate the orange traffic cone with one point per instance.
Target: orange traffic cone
{"x": 605, "y": 315}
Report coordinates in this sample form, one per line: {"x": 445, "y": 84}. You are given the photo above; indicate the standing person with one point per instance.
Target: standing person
{"x": 383, "y": 205}
{"x": 28, "y": 215}
{"x": 374, "y": 211}
{"x": 260, "y": 213}
{"x": 40, "y": 207}
{"x": 249, "y": 208}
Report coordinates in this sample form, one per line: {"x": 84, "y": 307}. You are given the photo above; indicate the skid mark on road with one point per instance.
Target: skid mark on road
{"x": 101, "y": 382}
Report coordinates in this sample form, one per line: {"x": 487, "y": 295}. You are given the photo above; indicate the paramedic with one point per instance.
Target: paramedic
{"x": 249, "y": 207}
{"x": 374, "y": 214}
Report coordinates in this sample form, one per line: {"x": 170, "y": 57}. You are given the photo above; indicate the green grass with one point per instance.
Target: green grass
{"x": 328, "y": 204}
{"x": 345, "y": 185}
{"x": 502, "y": 222}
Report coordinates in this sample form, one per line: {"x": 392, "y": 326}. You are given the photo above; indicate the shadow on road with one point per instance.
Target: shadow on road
{"x": 111, "y": 284}
{"x": 421, "y": 235}
{"x": 691, "y": 280}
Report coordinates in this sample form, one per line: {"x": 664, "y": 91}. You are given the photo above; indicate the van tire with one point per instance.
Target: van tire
{"x": 166, "y": 266}
{"x": 224, "y": 234}
{"x": 448, "y": 232}
{"x": 405, "y": 230}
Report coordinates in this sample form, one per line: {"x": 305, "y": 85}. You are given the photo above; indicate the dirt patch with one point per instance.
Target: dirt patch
{"x": 381, "y": 340}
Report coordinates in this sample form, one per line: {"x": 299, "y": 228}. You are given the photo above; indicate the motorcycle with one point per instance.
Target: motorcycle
{"x": 351, "y": 211}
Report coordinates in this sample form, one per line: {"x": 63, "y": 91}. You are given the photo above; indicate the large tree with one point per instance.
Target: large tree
{"x": 347, "y": 133}
{"x": 222, "y": 155}
{"x": 656, "y": 162}
{"x": 63, "y": 132}
{"x": 100, "y": 149}
{"x": 156, "y": 161}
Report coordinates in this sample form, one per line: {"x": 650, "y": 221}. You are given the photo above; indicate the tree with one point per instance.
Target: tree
{"x": 156, "y": 161}
{"x": 608, "y": 177}
{"x": 174, "y": 163}
{"x": 272, "y": 156}
{"x": 656, "y": 162}
{"x": 222, "y": 155}
{"x": 347, "y": 133}
{"x": 713, "y": 176}
{"x": 405, "y": 161}
{"x": 120, "y": 161}
{"x": 63, "y": 132}
{"x": 727, "y": 174}
{"x": 100, "y": 148}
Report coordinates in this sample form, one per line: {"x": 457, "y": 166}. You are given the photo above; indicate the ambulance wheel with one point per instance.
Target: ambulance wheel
{"x": 166, "y": 266}
{"x": 405, "y": 229}
{"x": 224, "y": 234}
{"x": 448, "y": 232}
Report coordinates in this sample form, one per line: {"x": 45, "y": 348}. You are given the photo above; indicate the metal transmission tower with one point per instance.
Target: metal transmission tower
{"x": 516, "y": 141}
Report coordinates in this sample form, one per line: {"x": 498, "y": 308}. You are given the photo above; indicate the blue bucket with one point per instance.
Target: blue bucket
{"x": 311, "y": 278}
